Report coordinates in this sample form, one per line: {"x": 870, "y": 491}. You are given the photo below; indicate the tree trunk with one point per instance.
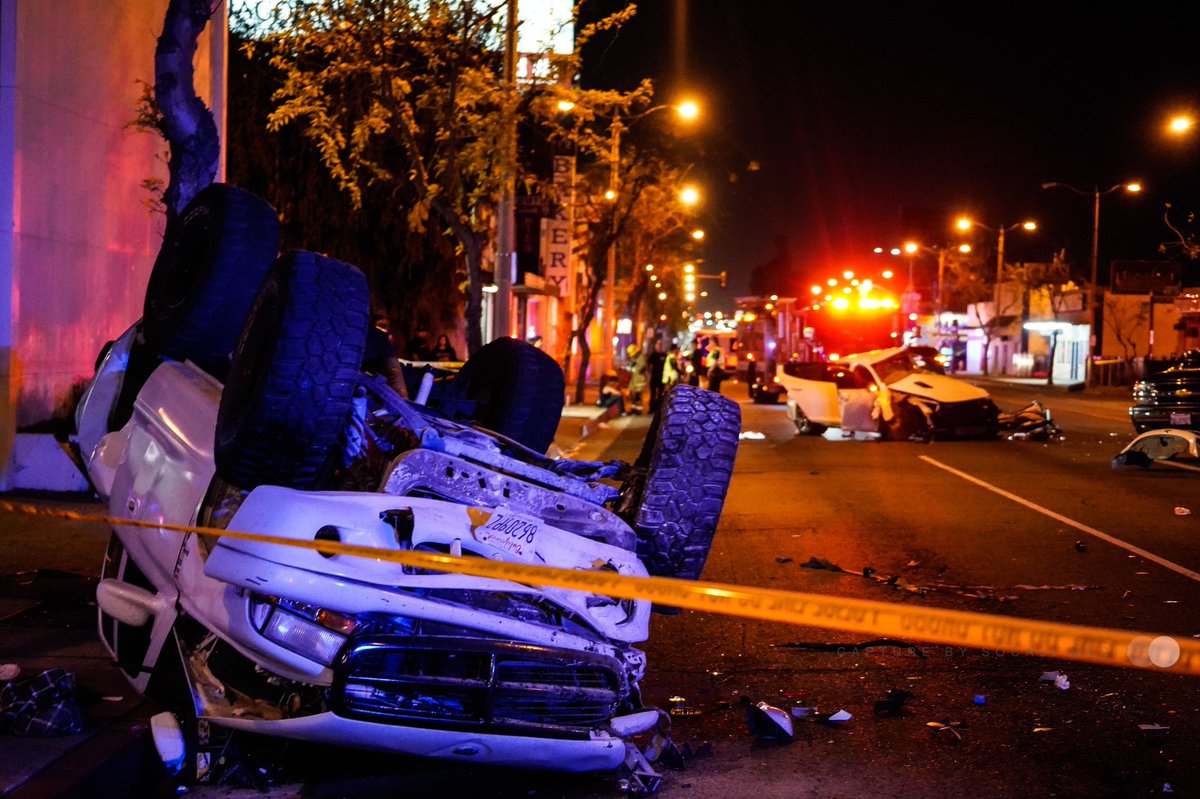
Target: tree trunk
{"x": 580, "y": 334}
{"x": 474, "y": 310}
{"x": 187, "y": 123}
{"x": 1050, "y": 363}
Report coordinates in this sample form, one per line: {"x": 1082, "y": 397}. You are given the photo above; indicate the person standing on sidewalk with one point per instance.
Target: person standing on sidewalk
{"x": 696, "y": 359}
{"x": 672, "y": 369}
{"x": 637, "y": 376}
{"x": 656, "y": 362}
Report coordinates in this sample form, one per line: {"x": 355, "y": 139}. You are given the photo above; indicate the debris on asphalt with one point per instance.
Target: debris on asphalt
{"x": 679, "y": 707}
{"x": 895, "y": 581}
{"x": 843, "y": 649}
{"x": 1060, "y": 680}
{"x": 980, "y": 699}
{"x": 892, "y": 705}
{"x": 768, "y": 723}
{"x": 1159, "y": 445}
{"x": 42, "y": 706}
{"x": 951, "y": 727}
{"x": 1043, "y": 729}
{"x": 783, "y": 560}
{"x": 9, "y": 672}
{"x": 1182, "y": 511}
{"x": 1081, "y": 546}
{"x": 1152, "y": 728}
{"x": 751, "y": 435}
{"x": 813, "y": 714}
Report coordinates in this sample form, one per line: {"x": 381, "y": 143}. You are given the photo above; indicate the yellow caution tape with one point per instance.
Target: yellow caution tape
{"x": 965, "y": 629}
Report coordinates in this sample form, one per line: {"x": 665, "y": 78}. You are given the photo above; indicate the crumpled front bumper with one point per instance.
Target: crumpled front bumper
{"x": 599, "y": 751}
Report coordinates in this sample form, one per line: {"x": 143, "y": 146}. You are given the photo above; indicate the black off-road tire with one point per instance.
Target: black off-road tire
{"x": 688, "y": 462}
{"x": 212, "y": 261}
{"x": 292, "y": 379}
{"x": 510, "y": 387}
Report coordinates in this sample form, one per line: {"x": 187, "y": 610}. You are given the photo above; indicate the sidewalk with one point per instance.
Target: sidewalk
{"x": 579, "y": 421}
{"x": 1040, "y": 383}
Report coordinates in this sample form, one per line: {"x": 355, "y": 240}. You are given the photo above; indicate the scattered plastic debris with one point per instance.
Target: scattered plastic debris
{"x": 1182, "y": 511}
{"x": 679, "y": 707}
{"x": 980, "y": 699}
{"x": 769, "y": 723}
{"x": 951, "y": 727}
{"x": 1167, "y": 788}
{"x": 892, "y": 705}
{"x": 1043, "y": 729}
{"x": 9, "y": 671}
{"x": 751, "y": 435}
{"x": 1152, "y": 728}
{"x": 1058, "y": 678}
{"x": 1081, "y": 546}
{"x": 812, "y": 714}
{"x": 783, "y": 560}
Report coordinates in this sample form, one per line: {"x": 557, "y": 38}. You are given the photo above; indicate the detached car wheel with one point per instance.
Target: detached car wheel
{"x": 212, "y": 261}
{"x": 688, "y": 462}
{"x": 293, "y": 374}
{"x": 512, "y": 388}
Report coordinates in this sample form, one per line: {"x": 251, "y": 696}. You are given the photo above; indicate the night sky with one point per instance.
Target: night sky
{"x": 864, "y": 118}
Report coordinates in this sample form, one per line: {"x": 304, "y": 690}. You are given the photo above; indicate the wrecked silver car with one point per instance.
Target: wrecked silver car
{"x": 891, "y": 392}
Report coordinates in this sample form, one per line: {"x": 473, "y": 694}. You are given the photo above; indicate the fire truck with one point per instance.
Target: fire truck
{"x": 773, "y": 330}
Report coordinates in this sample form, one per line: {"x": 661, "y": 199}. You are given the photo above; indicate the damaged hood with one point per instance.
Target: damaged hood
{"x": 939, "y": 388}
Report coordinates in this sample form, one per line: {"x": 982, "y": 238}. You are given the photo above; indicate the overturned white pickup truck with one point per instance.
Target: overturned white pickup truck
{"x": 290, "y": 437}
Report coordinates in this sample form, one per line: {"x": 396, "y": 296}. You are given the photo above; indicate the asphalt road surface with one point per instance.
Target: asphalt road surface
{"x": 1040, "y": 530}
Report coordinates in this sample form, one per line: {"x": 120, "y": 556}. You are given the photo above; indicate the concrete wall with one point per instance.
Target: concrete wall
{"x": 1134, "y": 314}
{"x": 79, "y": 243}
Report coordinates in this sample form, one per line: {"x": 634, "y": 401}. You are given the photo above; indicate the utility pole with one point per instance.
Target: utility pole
{"x": 506, "y": 256}
{"x": 609, "y": 328}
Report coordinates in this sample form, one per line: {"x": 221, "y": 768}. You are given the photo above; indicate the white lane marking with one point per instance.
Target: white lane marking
{"x": 1083, "y": 528}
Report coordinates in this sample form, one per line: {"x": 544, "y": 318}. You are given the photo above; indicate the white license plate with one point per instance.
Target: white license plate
{"x": 511, "y": 533}
{"x": 1181, "y": 418}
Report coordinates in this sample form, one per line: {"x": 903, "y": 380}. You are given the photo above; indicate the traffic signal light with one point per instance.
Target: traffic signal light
{"x": 723, "y": 276}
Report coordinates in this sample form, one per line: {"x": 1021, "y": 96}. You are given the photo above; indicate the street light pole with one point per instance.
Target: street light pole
{"x": 966, "y": 224}
{"x": 1094, "y": 275}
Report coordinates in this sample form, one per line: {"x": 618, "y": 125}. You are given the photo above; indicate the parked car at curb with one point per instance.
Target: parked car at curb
{"x": 892, "y": 392}
{"x": 1169, "y": 399}
{"x": 239, "y": 401}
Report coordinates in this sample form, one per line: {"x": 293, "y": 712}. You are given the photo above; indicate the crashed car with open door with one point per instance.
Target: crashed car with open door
{"x": 276, "y": 429}
{"x": 890, "y": 392}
